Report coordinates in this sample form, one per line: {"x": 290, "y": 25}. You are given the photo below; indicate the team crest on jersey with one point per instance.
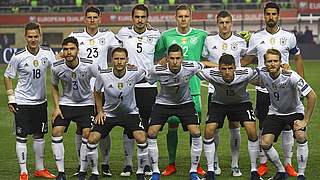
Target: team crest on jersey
{"x": 234, "y": 46}
{"x": 35, "y": 63}
{"x": 183, "y": 40}
{"x": 102, "y": 41}
{"x": 73, "y": 75}
{"x": 91, "y": 42}
{"x": 193, "y": 40}
{"x": 274, "y": 86}
{"x": 224, "y": 46}
{"x": 44, "y": 60}
{"x": 283, "y": 41}
{"x": 129, "y": 82}
{"x": 149, "y": 39}
{"x": 272, "y": 41}
{"x": 120, "y": 86}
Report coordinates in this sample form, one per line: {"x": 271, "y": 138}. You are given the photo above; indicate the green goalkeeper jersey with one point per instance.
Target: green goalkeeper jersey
{"x": 191, "y": 44}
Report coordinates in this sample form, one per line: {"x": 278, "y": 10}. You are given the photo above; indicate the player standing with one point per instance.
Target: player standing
{"x": 140, "y": 42}
{"x": 75, "y": 74}
{"x": 191, "y": 40}
{"x": 230, "y": 99}
{"x": 273, "y": 36}
{"x": 28, "y": 100}
{"x": 285, "y": 88}
{"x": 119, "y": 108}
{"x": 94, "y": 43}
{"x": 225, "y": 42}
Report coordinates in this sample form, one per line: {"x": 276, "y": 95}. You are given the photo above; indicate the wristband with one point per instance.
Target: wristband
{"x": 11, "y": 99}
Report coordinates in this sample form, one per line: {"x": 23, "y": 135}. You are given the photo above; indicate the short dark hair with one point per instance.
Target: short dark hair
{"x": 227, "y": 59}
{"x": 32, "y": 26}
{"x": 93, "y": 9}
{"x": 183, "y": 7}
{"x": 119, "y": 49}
{"x": 273, "y": 52}
{"x": 223, "y": 14}
{"x": 141, "y": 7}
{"x": 72, "y": 40}
{"x": 271, "y": 5}
{"x": 174, "y": 48}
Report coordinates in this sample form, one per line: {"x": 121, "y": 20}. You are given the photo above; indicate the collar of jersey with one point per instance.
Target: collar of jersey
{"x": 279, "y": 28}
{"x": 185, "y": 33}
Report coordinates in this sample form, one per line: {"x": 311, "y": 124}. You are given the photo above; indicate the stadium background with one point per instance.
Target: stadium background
{"x": 59, "y": 17}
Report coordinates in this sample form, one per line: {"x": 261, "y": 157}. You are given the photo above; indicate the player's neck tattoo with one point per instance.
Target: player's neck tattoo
{"x": 33, "y": 51}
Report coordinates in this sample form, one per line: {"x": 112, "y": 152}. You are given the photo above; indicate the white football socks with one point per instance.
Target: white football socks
{"x": 209, "y": 149}
{"x": 128, "y": 146}
{"x": 58, "y": 152}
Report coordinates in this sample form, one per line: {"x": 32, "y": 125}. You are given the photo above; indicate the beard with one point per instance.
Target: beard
{"x": 271, "y": 23}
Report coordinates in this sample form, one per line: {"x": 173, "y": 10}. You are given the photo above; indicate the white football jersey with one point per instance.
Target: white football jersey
{"x": 174, "y": 88}
{"x": 76, "y": 90}
{"x": 141, "y": 48}
{"x": 233, "y": 92}
{"x": 96, "y": 47}
{"x": 215, "y": 47}
{"x": 119, "y": 92}
{"x": 284, "y": 92}
{"x": 31, "y": 70}
{"x": 283, "y": 41}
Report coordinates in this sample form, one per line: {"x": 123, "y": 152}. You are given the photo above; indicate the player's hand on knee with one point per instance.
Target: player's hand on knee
{"x": 56, "y": 113}
{"x": 299, "y": 124}
{"x": 100, "y": 118}
{"x": 12, "y": 107}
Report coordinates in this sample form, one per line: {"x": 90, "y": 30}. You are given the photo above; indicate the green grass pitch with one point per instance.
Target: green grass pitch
{"x": 9, "y": 168}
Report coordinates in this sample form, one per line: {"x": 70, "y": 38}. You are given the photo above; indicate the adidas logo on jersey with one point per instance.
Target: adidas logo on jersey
{"x": 262, "y": 42}
{"x": 110, "y": 86}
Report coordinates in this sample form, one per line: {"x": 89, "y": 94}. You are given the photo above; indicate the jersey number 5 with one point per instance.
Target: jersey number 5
{"x": 139, "y": 47}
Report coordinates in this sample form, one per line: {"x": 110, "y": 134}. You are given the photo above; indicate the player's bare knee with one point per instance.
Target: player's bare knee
{"x": 266, "y": 145}
{"x": 94, "y": 137}
{"x": 152, "y": 131}
{"x": 139, "y": 136}
{"x": 300, "y": 136}
{"x": 57, "y": 131}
